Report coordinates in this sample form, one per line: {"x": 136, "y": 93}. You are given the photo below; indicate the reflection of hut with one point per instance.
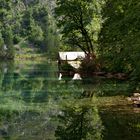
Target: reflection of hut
{"x": 73, "y": 58}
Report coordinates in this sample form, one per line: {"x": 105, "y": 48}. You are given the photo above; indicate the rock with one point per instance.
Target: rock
{"x": 129, "y": 99}
{"x": 136, "y": 94}
{"x": 135, "y": 99}
{"x": 136, "y": 102}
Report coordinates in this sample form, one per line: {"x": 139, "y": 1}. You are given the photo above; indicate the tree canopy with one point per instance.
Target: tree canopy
{"x": 75, "y": 18}
{"x": 119, "y": 37}
{"x": 28, "y": 20}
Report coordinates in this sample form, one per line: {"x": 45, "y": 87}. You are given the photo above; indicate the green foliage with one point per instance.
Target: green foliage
{"x": 67, "y": 71}
{"x": 88, "y": 66}
{"x": 5, "y": 13}
{"x": 6, "y": 22}
{"x": 1, "y": 46}
{"x": 30, "y": 21}
{"x": 67, "y": 67}
{"x": 8, "y": 39}
{"x": 74, "y": 18}
{"x": 79, "y": 122}
{"x": 119, "y": 37}
{"x": 36, "y": 34}
{"x": 16, "y": 39}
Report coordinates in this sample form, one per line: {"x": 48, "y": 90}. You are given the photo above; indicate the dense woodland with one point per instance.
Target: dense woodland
{"x": 106, "y": 30}
{"x": 26, "y": 20}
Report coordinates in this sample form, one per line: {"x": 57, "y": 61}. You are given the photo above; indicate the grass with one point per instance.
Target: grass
{"x": 25, "y": 52}
{"x": 29, "y": 54}
{"x": 112, "y": 101}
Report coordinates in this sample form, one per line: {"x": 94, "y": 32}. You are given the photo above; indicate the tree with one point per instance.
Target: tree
{"x": 36, "y": 24}
{"x": 6, "y": 25}
{"x": 1, "y": 46}
{"x": 8, "y": 40}
{"x": 79, "y": 123}
{"x": 75, "y": 18}
{"x": 119, "y": 37}
{"x": 5, "y": 13}
{"x": 36, "y": 34}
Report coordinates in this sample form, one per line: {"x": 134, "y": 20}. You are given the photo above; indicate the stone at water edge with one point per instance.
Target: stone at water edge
{"x": 136, "y": 94}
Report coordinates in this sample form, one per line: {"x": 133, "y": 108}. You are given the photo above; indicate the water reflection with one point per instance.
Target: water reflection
{"x": 123, "y": 124}
{"x": 6, "y": 75}
{"x": 26, "y": 85}
{"x": 75, "y": 77}
{"x": 35, "y": 105}
{"x": 79, "y": 122}
{"x": 26, "y": 125}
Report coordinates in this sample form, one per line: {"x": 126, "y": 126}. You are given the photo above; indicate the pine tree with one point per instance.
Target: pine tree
{"x": 8, "y": 39}
{"x": 1, "y": 46}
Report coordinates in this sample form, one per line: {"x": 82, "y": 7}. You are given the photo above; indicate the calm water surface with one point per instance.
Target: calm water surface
{"x": 35, "y": 105}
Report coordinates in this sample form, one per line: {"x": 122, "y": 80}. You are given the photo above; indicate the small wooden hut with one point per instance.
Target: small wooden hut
{"x": 73, "y": 58}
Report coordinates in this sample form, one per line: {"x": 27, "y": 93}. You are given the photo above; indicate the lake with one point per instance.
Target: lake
{"x": 36, "y": 105}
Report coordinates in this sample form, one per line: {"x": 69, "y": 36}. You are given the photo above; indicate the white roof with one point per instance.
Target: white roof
{"x": 71, "y": 55}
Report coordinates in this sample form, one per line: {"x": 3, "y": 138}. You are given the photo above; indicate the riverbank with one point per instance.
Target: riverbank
{"x": 31, "y": 54}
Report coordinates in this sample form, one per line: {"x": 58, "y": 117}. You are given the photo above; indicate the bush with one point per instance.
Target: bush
{"x": 16, "y": 39}
{"x": 88, "y": 66}
{"x": 2, "y": 53}
{"x": 67, "y": 67}
{"x": 67, "y": 71}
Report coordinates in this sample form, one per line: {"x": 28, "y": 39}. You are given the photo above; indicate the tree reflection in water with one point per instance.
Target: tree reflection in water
{"x": 80, "y": 122}
{"x": 6, "y": 75}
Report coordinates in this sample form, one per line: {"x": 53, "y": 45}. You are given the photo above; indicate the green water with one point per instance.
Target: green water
{"x": 35, "y": 105}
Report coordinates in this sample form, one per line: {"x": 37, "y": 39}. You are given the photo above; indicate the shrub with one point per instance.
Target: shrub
{"x": 67, "y": 67}
{"x": 67, "y": 71}
{"x": 88, "y": 66}
{"x": 16, "y": 39}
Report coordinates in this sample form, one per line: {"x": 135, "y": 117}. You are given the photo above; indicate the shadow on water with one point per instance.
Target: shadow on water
{"x": 121, "y": 123}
